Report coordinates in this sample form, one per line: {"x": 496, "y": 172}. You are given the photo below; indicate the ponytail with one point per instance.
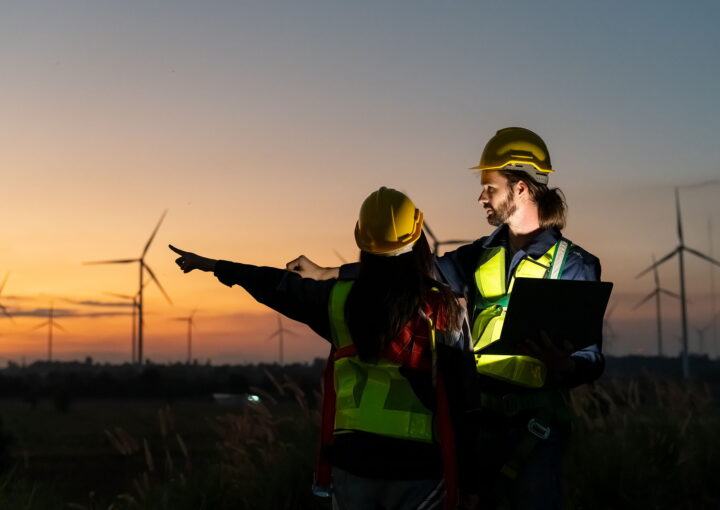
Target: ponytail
{"x": 552, "y": 208}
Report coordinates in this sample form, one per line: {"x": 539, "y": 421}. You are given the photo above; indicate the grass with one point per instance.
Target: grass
{"x": 637, "y": 443}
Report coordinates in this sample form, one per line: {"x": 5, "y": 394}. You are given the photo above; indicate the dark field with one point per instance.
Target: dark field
{"x": 641, "y": 442}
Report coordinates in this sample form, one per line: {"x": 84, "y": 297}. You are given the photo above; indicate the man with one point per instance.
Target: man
{"x": 521, "y": 412}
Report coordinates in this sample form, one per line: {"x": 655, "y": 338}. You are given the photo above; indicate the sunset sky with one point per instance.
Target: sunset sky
{"x": 261, "y": 126}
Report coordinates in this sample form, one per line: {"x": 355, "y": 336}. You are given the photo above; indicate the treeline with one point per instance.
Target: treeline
{"x": 175, "y": 381}
{"x": 151, "y": 381}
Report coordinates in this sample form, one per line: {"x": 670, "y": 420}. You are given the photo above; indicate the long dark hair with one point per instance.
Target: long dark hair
{"x": 387, "y": 295}
{"x": 552, "y": 208}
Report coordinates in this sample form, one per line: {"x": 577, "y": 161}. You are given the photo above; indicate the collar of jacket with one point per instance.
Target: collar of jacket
{"x": 540, "y": 244}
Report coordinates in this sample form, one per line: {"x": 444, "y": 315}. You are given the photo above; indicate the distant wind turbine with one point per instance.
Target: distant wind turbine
{"x": 436, "y": 244}
{"x": 656, "y": 294}
{"x": 50, "y": 323}
{"x": 190, "y": 325}
{"x": 143, "y": 267}
{"x": 134, "y": 303}
{"x": 712, "y": 291}
{"x": 680, "y": 252}
{"x": 2, "y": 308}
{"x": 281, "y": 339}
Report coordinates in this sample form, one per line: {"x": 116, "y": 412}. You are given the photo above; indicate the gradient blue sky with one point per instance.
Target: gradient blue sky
{"x": 262, "y": 125}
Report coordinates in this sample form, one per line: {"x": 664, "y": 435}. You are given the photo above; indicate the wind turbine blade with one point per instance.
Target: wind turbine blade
{"x": 703, "y": 256}
{"x": 429, "y": 232}
{"x": 656, "y": 264}
{"x": 679, "y": 220}
{"x": 2, "y": 286}
{"x": 272, "y": 336}
{"x": 56, "y": 325}
{"x": 192, "y": 314}
{"x": 646, "y": 299}
{"x": 39, "y": 326}
{"x": 152, "y": 236}
{"x": 671, "y": 294}
{"x": 342, "y": 259}
{"x": 118, "y": 261}
{"x": 157, "y": 282}
{"x": 6, "y": 314}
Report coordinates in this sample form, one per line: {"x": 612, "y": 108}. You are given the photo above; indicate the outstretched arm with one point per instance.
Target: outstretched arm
{"x": 301, "y": 299}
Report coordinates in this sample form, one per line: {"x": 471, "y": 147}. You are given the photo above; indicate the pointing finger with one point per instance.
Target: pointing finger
{"x": 176, "y": 250}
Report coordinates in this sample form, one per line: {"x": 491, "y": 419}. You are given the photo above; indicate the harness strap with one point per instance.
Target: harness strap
{"x": 322, "y": 485}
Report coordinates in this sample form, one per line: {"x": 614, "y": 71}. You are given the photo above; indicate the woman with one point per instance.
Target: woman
{"x": 395, "y": 334}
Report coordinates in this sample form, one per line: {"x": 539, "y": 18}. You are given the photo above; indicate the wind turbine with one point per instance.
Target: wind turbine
{"x": 2, "y": 308}
{"x": 189, "y": 320}
{"x": 680, "y": 252}
{"x": 436, "y": 244}
{"x": 712, "y": 291}
{"x": 143, "y": 267}
{"x": 134, "y": 301}
{"x": 50, "y": 323}
{"x": 656, "y": 294}
{"x": 281, "y": 339}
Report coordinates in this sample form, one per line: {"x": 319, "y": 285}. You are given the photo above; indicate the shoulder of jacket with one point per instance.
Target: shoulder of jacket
{"x": 582, "y": 255}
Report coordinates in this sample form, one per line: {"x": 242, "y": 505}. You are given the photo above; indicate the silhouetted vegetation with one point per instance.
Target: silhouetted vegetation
{"x": 160, "y": 442}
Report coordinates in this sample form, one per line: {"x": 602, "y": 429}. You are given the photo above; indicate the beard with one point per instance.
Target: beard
{"x": 503, "y": 211}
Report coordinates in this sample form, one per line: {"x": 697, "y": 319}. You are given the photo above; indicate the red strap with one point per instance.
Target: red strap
{"x": 446, "y": 439}
{"x": 343, "y": 352}
{"x": 323, "y": 469}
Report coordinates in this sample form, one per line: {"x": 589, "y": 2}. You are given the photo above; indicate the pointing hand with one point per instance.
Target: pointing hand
{"x": 187, "y": 261}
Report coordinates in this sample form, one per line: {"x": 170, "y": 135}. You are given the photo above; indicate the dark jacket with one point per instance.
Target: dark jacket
{"x": 363, "y": 454}
{"x": 457, "y": 269}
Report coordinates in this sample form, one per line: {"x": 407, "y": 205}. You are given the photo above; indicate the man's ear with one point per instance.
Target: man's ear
{"x": 521, "y": 189}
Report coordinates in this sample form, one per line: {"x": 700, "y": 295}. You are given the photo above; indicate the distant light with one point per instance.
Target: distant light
{"x": 253, "y": 398}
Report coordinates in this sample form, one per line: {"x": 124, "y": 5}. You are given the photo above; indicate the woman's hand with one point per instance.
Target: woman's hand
{"x": 187, "y": 261}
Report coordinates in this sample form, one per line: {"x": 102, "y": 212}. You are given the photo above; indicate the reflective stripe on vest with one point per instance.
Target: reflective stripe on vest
{"x": 372, "y": 397}
{"x": 491, "y": 304}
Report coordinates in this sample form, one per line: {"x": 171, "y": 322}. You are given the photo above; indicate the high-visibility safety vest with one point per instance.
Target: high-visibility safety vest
{"x": 376, "y": 398}
{"x": 372, "y": 397}
{"x": 493, "y": 295}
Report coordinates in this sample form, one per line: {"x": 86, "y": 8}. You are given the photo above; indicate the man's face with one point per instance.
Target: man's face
{"x": 497, "y": 197}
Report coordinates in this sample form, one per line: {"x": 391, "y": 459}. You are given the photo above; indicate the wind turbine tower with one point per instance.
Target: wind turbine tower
{"x": 143, "y": 267}
{"x": 50, "y": 323}
{"x": 279, "y": 332}
{"x": 656, "y": 294}
{"x": 680, "y": 252}
{"x": 712, "y": 293}
{"x": 189, "y": 319}
{"x": 134, "y": 303}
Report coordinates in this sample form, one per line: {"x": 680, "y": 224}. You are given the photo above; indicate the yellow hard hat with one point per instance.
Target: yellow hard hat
{"x": 518, "y": 149}
{"x": 389, "y": 223}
